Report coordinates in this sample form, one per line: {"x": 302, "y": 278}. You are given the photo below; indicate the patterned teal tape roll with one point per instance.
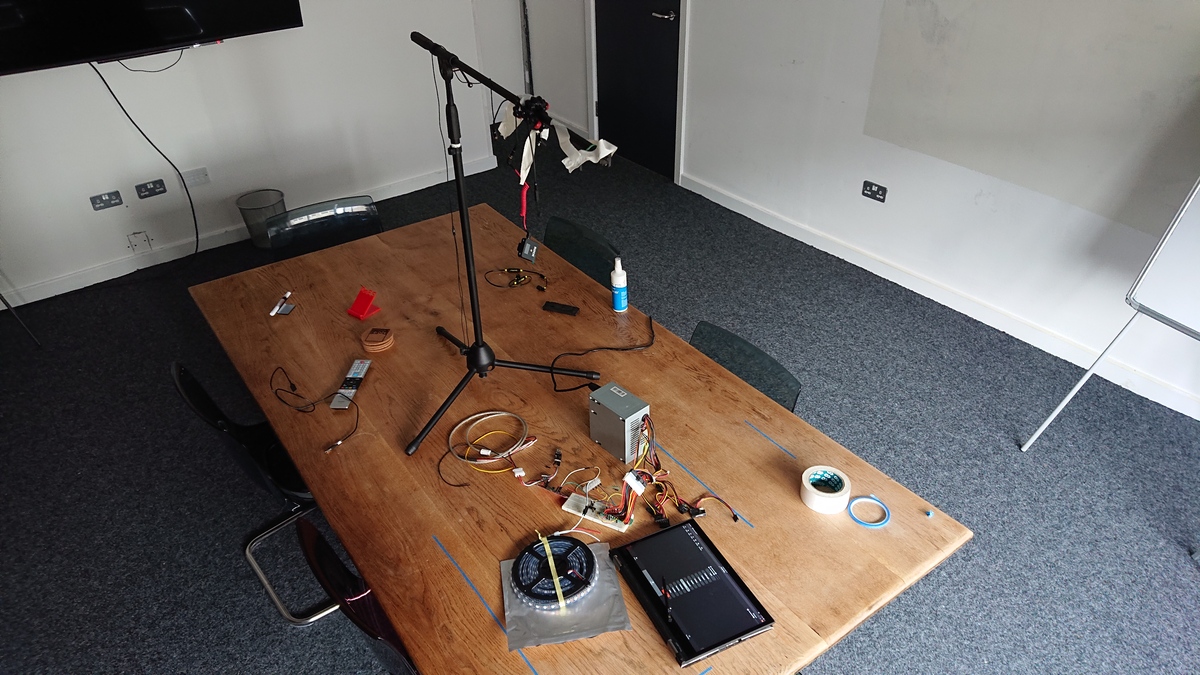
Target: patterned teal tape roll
{"x": 825, "y": 489}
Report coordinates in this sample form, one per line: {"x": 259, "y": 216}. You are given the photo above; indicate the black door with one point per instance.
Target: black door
{"x": 637, "y": 72}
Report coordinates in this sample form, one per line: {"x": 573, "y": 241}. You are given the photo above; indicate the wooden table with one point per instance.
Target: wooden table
{"x": 432, "y": 552}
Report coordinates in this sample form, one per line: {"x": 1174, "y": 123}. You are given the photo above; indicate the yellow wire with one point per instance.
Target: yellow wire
{"x": 489, "y": 470}
{"x": 472, "y": 445}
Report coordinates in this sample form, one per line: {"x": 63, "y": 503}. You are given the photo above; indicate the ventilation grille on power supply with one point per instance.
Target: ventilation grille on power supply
{"x": 633, "y": 434}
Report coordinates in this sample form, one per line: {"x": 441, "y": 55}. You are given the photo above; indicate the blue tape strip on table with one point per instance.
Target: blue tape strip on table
{"x": 742, "y": 518}
{"x": 480, "y": 596}
{"x": 785, "y": 450}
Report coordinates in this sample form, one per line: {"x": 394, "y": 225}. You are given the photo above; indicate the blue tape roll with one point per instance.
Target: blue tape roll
{"x": 887, "y": 514}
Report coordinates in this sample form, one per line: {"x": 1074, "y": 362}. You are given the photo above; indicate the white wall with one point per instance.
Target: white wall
{"x": 1046, "y": 271}
{"x": 561, "y": 34}
{"x": 1090, "y": 107}
{"x": 498, "y": 31}
{"x": 344, "y": 105}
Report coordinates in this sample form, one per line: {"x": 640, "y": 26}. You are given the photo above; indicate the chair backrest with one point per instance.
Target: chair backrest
{"x": 748, "y": 362}
{"x": 355, "y": 599}
{"x": 581, "y": 247}
{"x": 319, "y": 226}
{"x": 254, "y": 448}
{"x": 195, "y": 396}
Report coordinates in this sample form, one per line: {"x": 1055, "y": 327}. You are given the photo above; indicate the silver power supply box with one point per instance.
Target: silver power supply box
{"x": 616, "y": 420}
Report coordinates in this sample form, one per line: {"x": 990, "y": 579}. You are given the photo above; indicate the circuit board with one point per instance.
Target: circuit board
{"x": 577, "y": 503}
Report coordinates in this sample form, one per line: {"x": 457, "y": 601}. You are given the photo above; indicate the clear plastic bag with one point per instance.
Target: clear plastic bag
{"x": 600, "y": 611}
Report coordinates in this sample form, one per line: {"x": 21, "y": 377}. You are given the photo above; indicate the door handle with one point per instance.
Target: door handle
{"x": 669, "y": 16}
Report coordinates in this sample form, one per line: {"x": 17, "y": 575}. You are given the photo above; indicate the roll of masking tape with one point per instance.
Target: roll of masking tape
{"x": 825, "y": 489}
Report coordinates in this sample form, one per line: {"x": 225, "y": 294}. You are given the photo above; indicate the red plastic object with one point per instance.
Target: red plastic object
{"x": 363, "y": 306}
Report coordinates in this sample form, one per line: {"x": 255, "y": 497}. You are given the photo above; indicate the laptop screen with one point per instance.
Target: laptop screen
{"x": 679, "y": 576}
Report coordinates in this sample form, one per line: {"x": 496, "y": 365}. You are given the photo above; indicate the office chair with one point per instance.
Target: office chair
{"x": 319, "y": 226}
{"x": 581, "y": 247}
{"x": 260, "y": 454}
{"x": 748, "y": 362}
{"x": 355, "y": 598}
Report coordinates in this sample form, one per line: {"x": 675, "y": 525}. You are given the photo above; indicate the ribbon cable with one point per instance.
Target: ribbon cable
{"x": 562, "y": 604}
{"x": 524, "y": 205}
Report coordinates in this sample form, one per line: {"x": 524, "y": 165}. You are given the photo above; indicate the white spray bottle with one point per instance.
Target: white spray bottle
{"x": 620, "y": 293}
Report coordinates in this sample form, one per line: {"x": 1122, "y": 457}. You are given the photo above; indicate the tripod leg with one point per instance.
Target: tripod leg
{"x": 18, "y": 318}
{"x": 462, "y": 347}
{"x": 462, "y": 384}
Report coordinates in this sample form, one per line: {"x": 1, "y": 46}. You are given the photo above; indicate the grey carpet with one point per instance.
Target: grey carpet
{"x": 123, "y": 522}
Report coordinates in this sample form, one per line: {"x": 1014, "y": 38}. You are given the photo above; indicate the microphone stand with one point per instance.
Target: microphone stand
{"x": 480, "y": 357}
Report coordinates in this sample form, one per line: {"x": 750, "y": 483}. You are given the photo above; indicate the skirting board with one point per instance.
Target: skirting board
{"x": 423, "y": 181}
{"x": 1119, "y": 373}
{"x": 229, "y": 234}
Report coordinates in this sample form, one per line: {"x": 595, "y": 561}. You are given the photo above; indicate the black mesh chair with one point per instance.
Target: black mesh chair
{"x": 581, "y": 247}
{"x": 319, "y": 226}
{"x": 748, "y": 362}
{"x": 356, "y": 600}
{"x": 257, "y": 450}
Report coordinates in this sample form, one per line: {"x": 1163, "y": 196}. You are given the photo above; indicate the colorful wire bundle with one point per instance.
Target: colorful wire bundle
{"x": 475, "y": 454}
{"x": 648, "y": 471}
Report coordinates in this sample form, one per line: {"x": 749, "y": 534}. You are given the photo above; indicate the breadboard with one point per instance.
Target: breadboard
{"x": 576, "y": 504}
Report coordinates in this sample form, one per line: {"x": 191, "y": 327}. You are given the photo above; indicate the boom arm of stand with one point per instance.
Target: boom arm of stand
{"x": 448, "y": 59}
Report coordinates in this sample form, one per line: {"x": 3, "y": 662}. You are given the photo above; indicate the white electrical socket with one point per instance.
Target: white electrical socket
{"x": 194, "y": 177}
{"x": 139, "y": 242}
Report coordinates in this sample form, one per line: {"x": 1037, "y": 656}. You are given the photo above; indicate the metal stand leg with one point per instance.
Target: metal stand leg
{"x": 1079, "y": 385}
{"x": 323, "y": 610}
{"x": 18, "y": 318}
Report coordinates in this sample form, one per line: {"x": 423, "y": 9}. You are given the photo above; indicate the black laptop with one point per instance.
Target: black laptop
{"x": 695, "y": 599}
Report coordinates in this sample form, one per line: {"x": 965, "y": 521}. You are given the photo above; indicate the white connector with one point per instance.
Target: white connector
{"x": 634, "y": 483}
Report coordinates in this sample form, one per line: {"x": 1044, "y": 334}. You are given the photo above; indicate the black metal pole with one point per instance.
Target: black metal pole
{"x": 455, "y": 150}
{"x": 446, "y": 58}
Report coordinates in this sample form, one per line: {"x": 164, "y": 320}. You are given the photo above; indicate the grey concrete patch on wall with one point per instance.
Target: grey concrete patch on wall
{"x": 1092, "y": 102}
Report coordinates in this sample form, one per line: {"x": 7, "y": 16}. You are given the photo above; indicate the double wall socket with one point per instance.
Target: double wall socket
{"x": 874, "y": 191}
{"x": 106, "y": 200}
{"x": 150, "y": 189}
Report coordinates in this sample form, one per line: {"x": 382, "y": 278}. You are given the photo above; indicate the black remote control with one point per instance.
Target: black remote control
{"x": 570, "y": 310}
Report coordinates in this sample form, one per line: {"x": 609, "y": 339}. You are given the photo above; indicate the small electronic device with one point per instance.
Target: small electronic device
{"x": 354, "y": 378}
{"x": 616, "y": 420}
{"x": 593, "y": 510}
{"x": 569, "y": 310}
{"x": 528, "y": 249}
{"x": 694, "y": 598}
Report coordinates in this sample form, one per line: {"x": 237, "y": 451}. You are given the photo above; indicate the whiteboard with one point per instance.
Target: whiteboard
{"x": 1168, "y": 289}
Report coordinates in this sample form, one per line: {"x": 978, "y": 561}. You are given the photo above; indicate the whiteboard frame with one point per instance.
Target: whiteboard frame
{"x": 1131, "y": 298}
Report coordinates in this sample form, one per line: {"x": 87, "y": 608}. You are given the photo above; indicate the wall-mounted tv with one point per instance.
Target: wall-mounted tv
{"x": 37, "y": 34}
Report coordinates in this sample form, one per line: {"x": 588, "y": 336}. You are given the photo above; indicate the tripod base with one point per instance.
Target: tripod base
{"x": 480, "y": 361}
